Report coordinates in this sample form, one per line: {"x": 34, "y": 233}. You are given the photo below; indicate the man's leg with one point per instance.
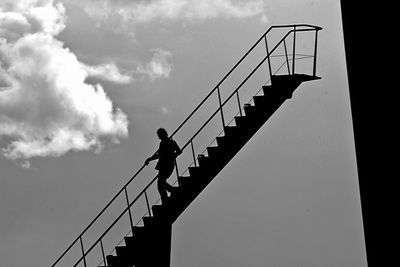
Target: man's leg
{"x": 162, "y": 188}
{"x": 167, "y": 174}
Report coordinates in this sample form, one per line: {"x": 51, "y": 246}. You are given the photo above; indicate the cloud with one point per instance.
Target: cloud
{"x": 109, "y": 72}
{"x": 128, "y": 12}
{"x": 158, "y": 66}
{"x": 18, "y": 17}
{"x": 46, "y": 108}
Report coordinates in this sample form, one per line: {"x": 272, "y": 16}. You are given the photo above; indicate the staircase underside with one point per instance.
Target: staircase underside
{"x": 155, "y": 235}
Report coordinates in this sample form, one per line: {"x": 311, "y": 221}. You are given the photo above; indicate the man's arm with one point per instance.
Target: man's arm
{"x": 155, "y": 156}
{"x": 177, "y": 149}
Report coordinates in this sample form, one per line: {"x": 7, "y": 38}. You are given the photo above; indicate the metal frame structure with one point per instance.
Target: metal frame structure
{"x": 292, "y": 31}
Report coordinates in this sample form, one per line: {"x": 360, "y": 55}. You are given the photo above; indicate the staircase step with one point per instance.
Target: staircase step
{"x": 260, "y": 101}
{"x": 203, "y": 160}
{"x": 148, "y": 221}
{"x": 112, "y": 261}
{"x": 246, "y": 126}
{"x": 222, "y": 141}
{"x": 266, "y": 89}
{"x": 122, "y": 252}
{"x": 195, "y": 172}
{"x": 230, "y": 130}
{"x": 126, "y": 256}
{"x": 130, "y": 242}
{"x": 230, "y": 145}
{"x": 138, "y": 231}
{"x": 184, "y": 181}
{"x": 213, "y": 151}
{"x": 209, "y": 166}
{"x": 249, "y": 110}
{"x": 242, "y": 121}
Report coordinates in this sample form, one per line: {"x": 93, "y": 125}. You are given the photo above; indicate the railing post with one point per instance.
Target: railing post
{"x": 177, "y": 173}
{"x": 287, "y": 58}
{"x": 102, "y": 253}
{"x": 220, "y": 106}
{"x": 294, "y": 49}
{"x": 83, "y": 252}
{"x": 194, "y": 154}
{"x": 238, "y": 99}
{"x": 147, "y": 202}
{"x": 129, "y": 208}
{"x": 315, "y": 54}
{"x": 269, "y": 61}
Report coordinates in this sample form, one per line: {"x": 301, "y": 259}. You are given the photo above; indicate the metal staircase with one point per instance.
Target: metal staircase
{"x": 136, "y": 231}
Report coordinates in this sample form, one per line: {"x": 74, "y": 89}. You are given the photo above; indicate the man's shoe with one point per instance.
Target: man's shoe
{"x": 173, "y": 189}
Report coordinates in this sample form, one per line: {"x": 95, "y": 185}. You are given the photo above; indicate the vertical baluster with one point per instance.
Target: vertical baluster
{"x": 102, "y": 253}
{"x": 83, "y": 252}
{"x": 220, "y": 106}
{"x": 238, "y": 100}
{"x": 194, "y": 154}
{"x": 269, "y": 57}
{"x": 129, "y": 209}
{"x": 294, "y": 48}
{"x": 315, "y": 54}
{"x": 287, "y": 58}
{"x": 147, "y": 202}
{"x": 177, "y": 173}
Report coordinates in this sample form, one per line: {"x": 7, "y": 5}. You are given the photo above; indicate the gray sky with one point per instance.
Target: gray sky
{"x": 290, "y": 196}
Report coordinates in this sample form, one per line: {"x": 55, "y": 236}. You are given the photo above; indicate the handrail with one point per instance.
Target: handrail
{"x": 219, "y": 109}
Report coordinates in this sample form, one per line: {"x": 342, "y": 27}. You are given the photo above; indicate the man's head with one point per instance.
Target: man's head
{"x": 162, "y": 134}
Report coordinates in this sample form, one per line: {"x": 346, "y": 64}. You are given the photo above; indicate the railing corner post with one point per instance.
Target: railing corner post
{"x": 294, "y": 48}
{"x": 315, "y": 53}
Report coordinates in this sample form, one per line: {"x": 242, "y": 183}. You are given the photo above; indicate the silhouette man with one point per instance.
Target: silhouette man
{"x": 166, "y": 155}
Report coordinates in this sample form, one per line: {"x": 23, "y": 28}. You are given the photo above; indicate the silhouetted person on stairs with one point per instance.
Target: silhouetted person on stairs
{"x": 166, "y": 155}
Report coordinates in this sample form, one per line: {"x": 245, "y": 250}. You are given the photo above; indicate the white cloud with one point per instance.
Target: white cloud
{"x": 46, "y": 108}
{"x": 31, "y": 16}
{"x": 109, "y": 72}
{"x": 125, "y": 12}
{"x": 158, "y": 66}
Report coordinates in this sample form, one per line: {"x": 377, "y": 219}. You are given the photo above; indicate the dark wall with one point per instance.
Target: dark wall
{"x": 370, "y": 74}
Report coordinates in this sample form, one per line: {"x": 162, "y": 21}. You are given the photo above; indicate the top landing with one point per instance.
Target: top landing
{"x": 297, "y": 77}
